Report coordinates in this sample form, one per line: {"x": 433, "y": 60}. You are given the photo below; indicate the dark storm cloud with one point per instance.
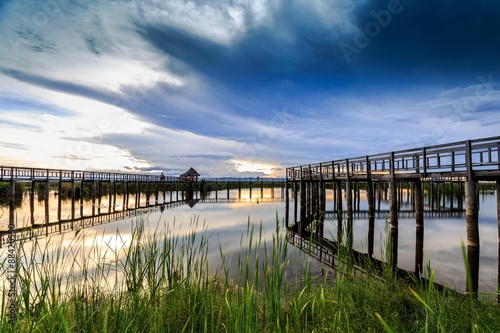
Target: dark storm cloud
{"x": 417, "y": 42}
{"x": 436, "y": 40}
{"x": 257, "y": 59}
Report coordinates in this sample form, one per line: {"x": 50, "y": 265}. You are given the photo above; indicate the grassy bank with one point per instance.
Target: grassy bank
{"x": 163, "y": 282}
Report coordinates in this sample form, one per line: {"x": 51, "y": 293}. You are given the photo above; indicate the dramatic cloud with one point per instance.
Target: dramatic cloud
{"x": 241, "y": 87}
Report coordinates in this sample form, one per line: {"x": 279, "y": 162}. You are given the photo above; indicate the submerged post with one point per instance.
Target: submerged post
{"x": 393, "y": 202}
{"x": 498, "y": 223}
{"x": 287, "y": 205}
{"x": 371, "y": 208}
{"x": 338, "y": 188}
{"x": 472, "y": 225}
{"x": 349, "y": 226}
{"x": 419, "y": 221}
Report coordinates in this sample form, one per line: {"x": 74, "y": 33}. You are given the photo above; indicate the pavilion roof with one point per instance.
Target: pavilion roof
{"x": 190, "y": 172}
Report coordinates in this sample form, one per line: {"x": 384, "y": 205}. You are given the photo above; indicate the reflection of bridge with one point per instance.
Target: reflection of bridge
{"x": 242, "y": 200}
{"x": 455, "y": 167}
{"x": 332, "y": 255}
{"x": 403, "y": 214}
{"x": 44, "y": 229}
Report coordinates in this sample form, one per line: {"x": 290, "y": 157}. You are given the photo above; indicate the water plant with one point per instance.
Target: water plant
{"x": 163, "y": 281}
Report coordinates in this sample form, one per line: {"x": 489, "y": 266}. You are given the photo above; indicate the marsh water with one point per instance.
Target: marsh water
{"x": 226, "y": 224}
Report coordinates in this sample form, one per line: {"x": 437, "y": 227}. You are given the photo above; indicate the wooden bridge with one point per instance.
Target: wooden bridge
{"x": 461, "y": 164}
{"x": 112, "y": 196}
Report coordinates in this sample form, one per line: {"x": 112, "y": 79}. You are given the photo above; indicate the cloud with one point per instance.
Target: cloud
{"x": 167, "y": 85}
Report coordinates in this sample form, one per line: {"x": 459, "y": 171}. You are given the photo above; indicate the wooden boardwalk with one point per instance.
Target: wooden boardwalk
{"x": 98, "y": 197}
{"x": 460, "y": 164}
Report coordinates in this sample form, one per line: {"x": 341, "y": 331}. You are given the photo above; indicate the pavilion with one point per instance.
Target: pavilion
{"x": 190, "y": 175}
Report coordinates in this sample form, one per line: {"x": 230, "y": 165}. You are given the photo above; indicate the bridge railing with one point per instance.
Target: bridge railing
{"x": 245, "y": 179}
{"x": 8, "y": 173}
{"x": 458, "y": 158}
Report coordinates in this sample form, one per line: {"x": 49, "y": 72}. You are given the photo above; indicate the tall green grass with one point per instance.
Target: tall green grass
{"x": 162, "y": 281}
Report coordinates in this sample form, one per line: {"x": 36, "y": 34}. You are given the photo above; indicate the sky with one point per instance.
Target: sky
{"x": 241, "y": 88}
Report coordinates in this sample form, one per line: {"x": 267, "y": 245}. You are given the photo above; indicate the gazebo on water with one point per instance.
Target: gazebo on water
{"x": 190, "y": 175}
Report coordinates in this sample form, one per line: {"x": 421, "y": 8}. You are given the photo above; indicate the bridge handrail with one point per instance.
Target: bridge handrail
{"x": 456, "y": 157}
{"x": 245, "y": 179}
{"x": 8, "y": 173}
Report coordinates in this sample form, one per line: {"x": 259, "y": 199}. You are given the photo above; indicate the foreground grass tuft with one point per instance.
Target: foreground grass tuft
{"x": 162, "y": 282}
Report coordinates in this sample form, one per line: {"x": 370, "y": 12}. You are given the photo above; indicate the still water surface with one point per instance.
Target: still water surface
{"x": 225, "y": 225}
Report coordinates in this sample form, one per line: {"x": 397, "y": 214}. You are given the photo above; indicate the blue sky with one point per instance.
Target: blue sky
{"x": 241, "y": 88}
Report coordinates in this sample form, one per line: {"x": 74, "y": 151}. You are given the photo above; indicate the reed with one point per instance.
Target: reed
{"x": 162, "y": 281}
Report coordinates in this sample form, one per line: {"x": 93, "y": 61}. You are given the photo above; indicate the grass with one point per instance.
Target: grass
{"x": 163, "y": 282}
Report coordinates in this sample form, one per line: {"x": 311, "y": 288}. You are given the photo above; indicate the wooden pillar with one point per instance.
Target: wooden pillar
{"x": 93, "y": 198}
{"x": 379, "y": 196}
{"x": 137, "y": 194}
{"x": 125, "y": 195}
{"x": 460, "y": 195}
{"x": 358, "y": 194}
{"x": 287, "y": 206}
{"x": 239, "y": 188}
{"x": 472, "y": 225}
{"x": 171, "y": 190}
{"x": 81, "y": 196}
{"x": 322, "y": 209}
{"x": 393, "y": 206}
{"x": 371, "y": 208}
{"x": 227, "y": 190}
{"x": 303, "y": 207}
{"x": 419, "y": 221}
{"x": 47, "y": 217}
{"x": 498, "y": 223}
{"x": 164, "y": 191}
{"x": 349, "y": 226}
{"x": 99, "y": 196}
{"x": 12, "y": 206}
{"x": 73, "y": 198}
{"x": 148, "y": 191}
{"x": 250, "y": 187}
{"x": 452, "y": 196}
{"x": 338, "y": 188}
{"x": 32, "y": 201}
{"x": 295, "y": 201}
{"x": 112, "y": 197}
{"x": 261, "y": 189}
{"x": 59, "y": 200}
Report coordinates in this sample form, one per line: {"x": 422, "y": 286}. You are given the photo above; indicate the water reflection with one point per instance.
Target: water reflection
{"x": 442, "y": 238}
{"x": 225, "y": 223}
{"x": 228, "y": 225}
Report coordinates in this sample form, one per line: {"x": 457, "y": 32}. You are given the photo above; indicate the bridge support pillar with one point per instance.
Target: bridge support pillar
{"x": 472, "y": 225}
{"x": 303, "y": 211}
{"x": 349, "y": 227}
{"x": 371, "y": 216}
{"x": 419, "y": 221}
{"x": 393, "y": 202}
{"x": 498, "y": 219}
{"x": 338, "y": 197}
{"x": 287, "y": 206}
